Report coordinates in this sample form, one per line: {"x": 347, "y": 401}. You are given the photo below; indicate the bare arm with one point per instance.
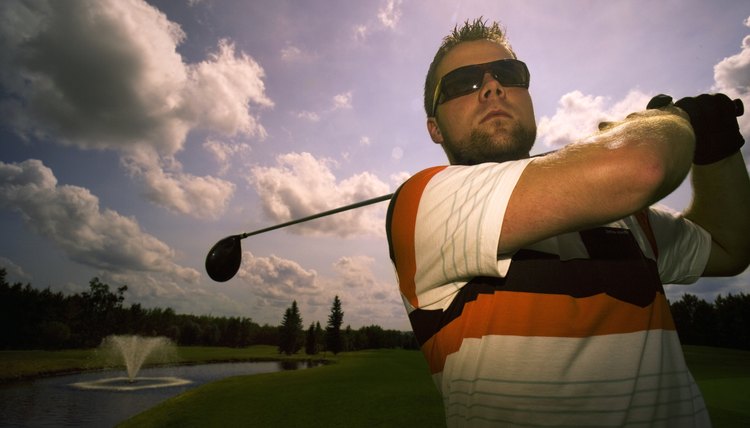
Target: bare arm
{"x": 721, "y": 205}
{"x": 612, "y": 174}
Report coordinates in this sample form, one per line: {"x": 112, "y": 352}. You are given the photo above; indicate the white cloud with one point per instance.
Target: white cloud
{"x": 397, "y": 153}
{"x": 220, "y": 89}
{"x": 273, "y": 282}
{"x": 388, "y": 16}
{"x": 276, "y": 281}
{"x": 70, "y": 217}
{"x": 342, "y": 101}
{"x": 399, "y": 178}
{"x": 106, "y": 75}
{"x": 309, "y": 116}
{"x": 291, "y": 53}
{"x": 204, "y": 197}
{"x": 224, "y": 153}
{"x": 15, "y": 273}
{"x": 366, "y": 297}
{"x": 390, "y": 13}
{"x": 365, "y": 141}
{"x": 301, "y": 185}
{"x": 578, "y": 115}
{"x": 732, "y": 77}
{"x": 360, "y": 32}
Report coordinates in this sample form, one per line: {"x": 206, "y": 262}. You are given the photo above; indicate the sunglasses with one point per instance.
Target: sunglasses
{"x": 465, "y": 80}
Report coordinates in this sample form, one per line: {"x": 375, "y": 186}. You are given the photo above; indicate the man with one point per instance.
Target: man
{"x": 534, "y": 285}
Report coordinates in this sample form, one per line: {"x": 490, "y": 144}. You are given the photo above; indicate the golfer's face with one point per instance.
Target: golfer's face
{"x": 493, "y": 110}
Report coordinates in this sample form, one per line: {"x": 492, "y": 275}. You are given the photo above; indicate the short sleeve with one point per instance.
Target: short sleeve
{"x": 684, "y": 246}
{"x": 458, "y": 226}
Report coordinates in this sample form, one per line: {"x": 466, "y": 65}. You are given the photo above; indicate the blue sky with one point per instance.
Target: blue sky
{"x": 135, "y": 135}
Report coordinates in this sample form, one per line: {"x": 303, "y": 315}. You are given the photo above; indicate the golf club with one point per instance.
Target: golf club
{"x": 224, "y": 258}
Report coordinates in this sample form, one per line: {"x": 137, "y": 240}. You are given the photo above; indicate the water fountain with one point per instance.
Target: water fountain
{"x": 133, "y": 352}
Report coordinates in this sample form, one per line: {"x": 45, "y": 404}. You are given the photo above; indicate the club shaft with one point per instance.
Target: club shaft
{"x": 319, "y": 215}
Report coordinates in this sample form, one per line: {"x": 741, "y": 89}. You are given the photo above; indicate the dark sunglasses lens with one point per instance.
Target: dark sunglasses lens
{"x": 461, "y": 82}
{"x": 466, "y": 80}
{"x": 511, "y": 73}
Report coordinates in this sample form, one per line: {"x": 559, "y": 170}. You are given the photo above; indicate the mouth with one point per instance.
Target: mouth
{"x": 495, "y": 114}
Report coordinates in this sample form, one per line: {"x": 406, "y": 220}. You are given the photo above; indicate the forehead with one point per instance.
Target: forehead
{"x": 474, "y": 52}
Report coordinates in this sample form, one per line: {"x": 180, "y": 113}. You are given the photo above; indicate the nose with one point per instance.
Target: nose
{"x": 491, "y": 87}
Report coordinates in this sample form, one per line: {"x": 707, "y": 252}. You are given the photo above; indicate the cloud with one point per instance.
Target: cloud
{"x": 342, "y": 101}
{"x": 107, "y": 75}
{"x": 388, "y": 16}
{"x": 273, "y": 282}
{"x": 309, "y": 116}
{"x": 578, "y": 115}
{"x": 15, "y": 273}
{"x": 366, "y": 297}
{"x": 390, "y": 13}
{"x": 225, "y": 152}
{"x": 301, "y": 185}
{"x": 399, "y": 178}
{"x": 71, "y": 218}
{"x": 166, "y": 185}
{"x": 732, "y": 77}
{"x": 291, "y": 53}
{"x": 360, "y": 32}
{"x": 708, "y": 288}
{"x": 276, "y": 281}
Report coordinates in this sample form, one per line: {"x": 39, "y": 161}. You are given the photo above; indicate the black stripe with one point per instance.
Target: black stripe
{"x": 389, "y": 221}
{"x": 624, "y": 274}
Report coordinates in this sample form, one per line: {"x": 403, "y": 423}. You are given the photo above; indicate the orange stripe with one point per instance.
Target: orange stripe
{"x": 643, "y": 221}
{"x": 550, "y": 315}
{"x": 403, "y": 226}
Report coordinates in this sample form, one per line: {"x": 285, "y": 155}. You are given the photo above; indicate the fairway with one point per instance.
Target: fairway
{"x": 379, "y": 388}
{"x": 386, "y": 388}
{"x": 723, "y": 376}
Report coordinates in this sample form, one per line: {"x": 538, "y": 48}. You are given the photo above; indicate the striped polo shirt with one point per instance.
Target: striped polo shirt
{"x": 572, "y": 331}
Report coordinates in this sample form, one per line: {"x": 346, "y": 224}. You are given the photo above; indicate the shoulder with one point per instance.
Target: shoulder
{"x": 447, "y": 177}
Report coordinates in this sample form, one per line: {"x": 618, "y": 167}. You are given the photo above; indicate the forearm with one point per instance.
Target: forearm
{"x": 622, "y": 169}
{"x": 721, "y": 205}
{"x": 656, "y": 141}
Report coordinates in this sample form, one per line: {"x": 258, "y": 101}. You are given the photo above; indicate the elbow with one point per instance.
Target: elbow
{"x": 651, "y": 179}
{"x": 739, "y": 263}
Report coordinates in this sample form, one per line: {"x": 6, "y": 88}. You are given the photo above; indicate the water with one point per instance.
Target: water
{"x": 55, "y": 402}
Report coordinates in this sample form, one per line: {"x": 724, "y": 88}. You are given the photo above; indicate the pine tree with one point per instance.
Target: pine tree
{"x": 333, "y": 328}
{"x": 290, "y": 332}
{"x": 311, "y": 344}
{"x": 320, "y": 336}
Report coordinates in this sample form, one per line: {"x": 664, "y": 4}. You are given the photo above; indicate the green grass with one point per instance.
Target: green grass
{"x": 26, "y": 364}
{"x": 723, "y": 376}
{"x": 368, "y": 388}
{"x": 382, "y": 388}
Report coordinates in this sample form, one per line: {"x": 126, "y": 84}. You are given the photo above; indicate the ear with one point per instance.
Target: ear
{"x": 434, "y": 129}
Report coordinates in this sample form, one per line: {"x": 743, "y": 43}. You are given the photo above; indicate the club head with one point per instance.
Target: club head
{"x": 224, "y": 258}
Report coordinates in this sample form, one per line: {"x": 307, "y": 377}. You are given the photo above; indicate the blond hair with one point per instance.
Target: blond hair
{"x": 470, "y": 31}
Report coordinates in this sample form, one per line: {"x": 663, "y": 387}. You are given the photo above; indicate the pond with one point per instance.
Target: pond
{"x": 57, "y": 402}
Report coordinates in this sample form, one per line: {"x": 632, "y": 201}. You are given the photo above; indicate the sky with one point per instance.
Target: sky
{"x": 134, "y": 135}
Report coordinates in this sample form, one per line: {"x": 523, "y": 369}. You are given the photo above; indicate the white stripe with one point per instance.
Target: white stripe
{"x": 597, "y": 381}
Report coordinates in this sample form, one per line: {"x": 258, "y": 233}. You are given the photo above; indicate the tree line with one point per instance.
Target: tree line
{"x": 724, "y": 323}
{"x": 32, "y": 318}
